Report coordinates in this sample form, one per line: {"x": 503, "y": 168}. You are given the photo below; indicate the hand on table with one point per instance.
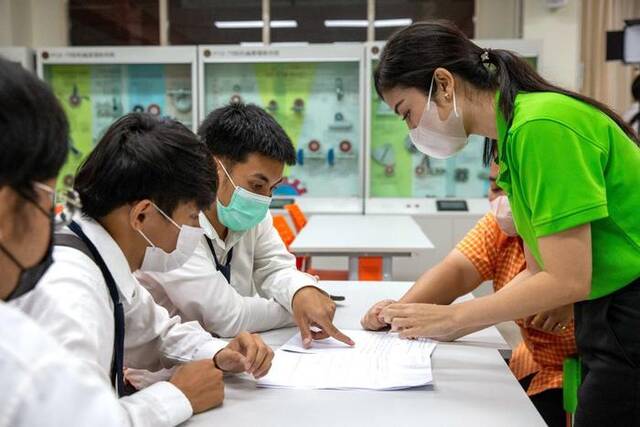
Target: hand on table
{"x": 421, "y": 320}
{"x": 314, "y": 308}
{"x": 201, "y": 383}
{"x": 245, "y": 353}
{"x": 373, "y": 319}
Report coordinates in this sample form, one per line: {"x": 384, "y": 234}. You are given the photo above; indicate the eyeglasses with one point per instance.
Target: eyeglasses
{"x": 65, "y": 204}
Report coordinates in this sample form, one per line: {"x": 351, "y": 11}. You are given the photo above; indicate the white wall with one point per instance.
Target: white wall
{"x": 560, "y": 32}
{"x": 496, "y": 19}
{"x": 34, "y": 23}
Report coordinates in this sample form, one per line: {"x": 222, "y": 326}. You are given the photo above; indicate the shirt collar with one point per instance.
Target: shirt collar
{"x": 112, "y": 255}
{"x": 233, "y": 237}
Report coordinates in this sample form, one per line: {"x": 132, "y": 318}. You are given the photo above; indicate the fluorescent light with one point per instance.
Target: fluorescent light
{"x": 400, "y": 22}
{"x": 363, "y": 23}
{"x": 255, "y": 24}
{"x": 284, "y": 24}
{"x": 290, "y": 44}
{"x": 342, "y": 23}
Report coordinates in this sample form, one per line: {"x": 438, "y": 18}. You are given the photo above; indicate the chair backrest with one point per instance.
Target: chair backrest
{"x": 370, "y": 268}
{"x": 297, "y": 216}
{"x": 285, "y": 232}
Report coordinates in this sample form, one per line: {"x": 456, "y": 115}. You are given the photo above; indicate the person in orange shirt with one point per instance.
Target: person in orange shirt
{"x": 493, "y": 251}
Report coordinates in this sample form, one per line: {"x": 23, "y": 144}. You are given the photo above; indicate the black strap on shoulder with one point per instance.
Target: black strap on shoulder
{"x": 81, "y": 242}
{"x": 224, "y": 269}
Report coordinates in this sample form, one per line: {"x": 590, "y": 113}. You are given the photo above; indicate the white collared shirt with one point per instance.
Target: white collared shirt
{"x": 264, "y": 279}
{"x": 42, "y": 384}
{"x": 72, "y": 303}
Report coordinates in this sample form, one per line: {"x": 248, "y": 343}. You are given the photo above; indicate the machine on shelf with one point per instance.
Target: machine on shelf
{"x": 97, "y": 85}
{"x": 316, "y": 94}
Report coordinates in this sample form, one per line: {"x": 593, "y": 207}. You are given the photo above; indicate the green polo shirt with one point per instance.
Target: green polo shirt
{"x": 564, "y": 163}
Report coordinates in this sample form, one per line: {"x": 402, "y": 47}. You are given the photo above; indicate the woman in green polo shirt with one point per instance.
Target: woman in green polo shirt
{"x": 571, "y": 169}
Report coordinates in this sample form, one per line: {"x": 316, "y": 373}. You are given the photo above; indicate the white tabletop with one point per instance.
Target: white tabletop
{"x": 473, "y": 386}
{"x": 396, "y": 235}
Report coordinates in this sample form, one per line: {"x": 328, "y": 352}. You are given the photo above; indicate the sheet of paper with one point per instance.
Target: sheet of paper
{"x": 366, "y": 342}
{"x": 379, "y": 361}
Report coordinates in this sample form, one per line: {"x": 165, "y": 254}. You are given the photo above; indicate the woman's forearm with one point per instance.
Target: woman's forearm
{"x": 450, "y": 279}
{"x": 538, "y": 292}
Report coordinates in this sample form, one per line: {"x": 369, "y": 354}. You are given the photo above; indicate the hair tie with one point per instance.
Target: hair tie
{"x": 484, "y": 56}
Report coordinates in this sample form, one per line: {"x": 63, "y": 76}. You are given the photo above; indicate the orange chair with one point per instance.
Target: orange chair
{"x": 370, "y": 268}
{"x": 298, "y": 218}
{"x": 285, "y": 232}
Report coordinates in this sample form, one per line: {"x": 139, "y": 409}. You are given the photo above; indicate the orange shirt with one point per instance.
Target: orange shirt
{"x": 500, "y": 258}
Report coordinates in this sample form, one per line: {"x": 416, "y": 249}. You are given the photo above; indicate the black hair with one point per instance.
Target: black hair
{"x": 144, "y": 157}
{"x": 237, "y": 130}
{"x": 635, "y": 92}
{"x": 635, "y": 88}
{"x": 34, "y": 133}
{"x": 412, "y": 54}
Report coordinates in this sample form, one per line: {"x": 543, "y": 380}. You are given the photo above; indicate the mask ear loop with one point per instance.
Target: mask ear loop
{"x": 227, "y": 173}
{"x": 146, "y": 238}
{"x": 455, "y": 106}
{"x": 430, "y": 90}
{"x": 166, "y": 216}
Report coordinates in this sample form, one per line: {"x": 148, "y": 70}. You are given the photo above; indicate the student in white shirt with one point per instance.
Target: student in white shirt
{"x": 42, "y": 385}
{"x": 262, "y": 288}
{"x": 141, "y": 190}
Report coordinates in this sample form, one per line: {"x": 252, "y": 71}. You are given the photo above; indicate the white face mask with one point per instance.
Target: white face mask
{"x": 156, "y": 259}
{"x": 502, "y": 211}
{"x": 437, "y": 138}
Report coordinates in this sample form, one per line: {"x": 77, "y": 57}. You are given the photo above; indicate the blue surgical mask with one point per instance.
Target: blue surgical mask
{"x": 245, "y": 210}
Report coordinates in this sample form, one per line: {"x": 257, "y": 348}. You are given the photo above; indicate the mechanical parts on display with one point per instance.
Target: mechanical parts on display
{"x": 318, "y": 104}
{"x": 298, "y": 105}
{"x": 181, "y": 99}
{"x": 154, "y": 109}
{"x": 75, "y": 98}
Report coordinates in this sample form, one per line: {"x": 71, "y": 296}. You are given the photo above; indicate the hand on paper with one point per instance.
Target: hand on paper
{"x": 314, "y": 308}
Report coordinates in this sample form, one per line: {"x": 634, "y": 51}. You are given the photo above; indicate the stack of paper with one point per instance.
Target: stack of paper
{"x": 379, "y": 361}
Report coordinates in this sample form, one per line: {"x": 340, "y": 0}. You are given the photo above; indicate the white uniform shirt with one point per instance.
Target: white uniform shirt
{"x": 43, "y": 385}
{"x": 264, "y": 279}
{"x": 72, "y": 303}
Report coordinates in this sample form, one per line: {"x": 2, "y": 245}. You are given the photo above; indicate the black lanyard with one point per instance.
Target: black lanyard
{"x": 117, "y": 374}
{"x": 226, "y": 268}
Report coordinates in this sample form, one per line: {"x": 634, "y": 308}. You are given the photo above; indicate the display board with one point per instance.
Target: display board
{"x": 96, "y": 86}
{"x": 315, "y": 94}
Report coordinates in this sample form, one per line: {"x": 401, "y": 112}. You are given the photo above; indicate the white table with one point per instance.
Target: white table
{"x": 473, "y": 386}
{"x": 354, "y": 236}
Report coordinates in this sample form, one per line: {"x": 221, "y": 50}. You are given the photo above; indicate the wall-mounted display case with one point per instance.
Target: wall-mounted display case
{"x": 97, "y": 85}
{"x": 316, "y": 94}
